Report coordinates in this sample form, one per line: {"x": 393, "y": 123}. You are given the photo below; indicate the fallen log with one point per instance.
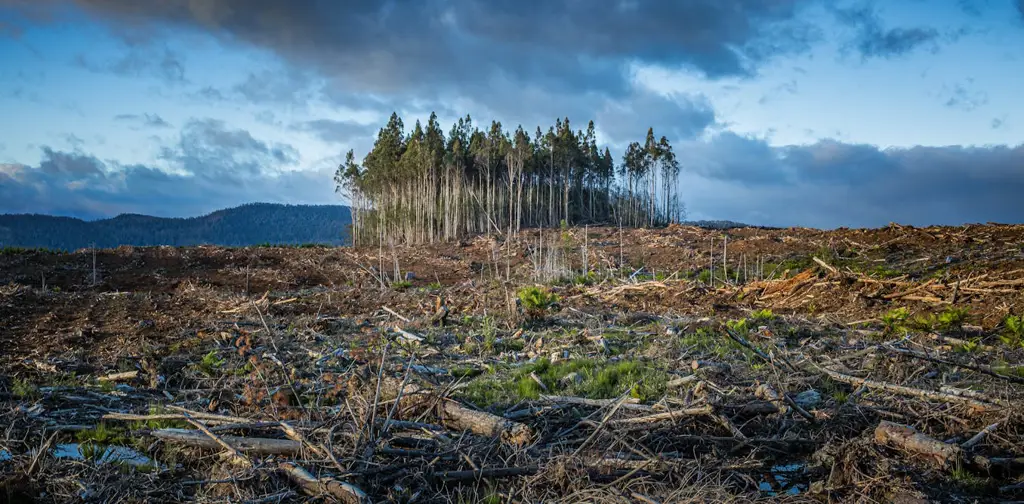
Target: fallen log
{"x": 458, "y": 416}
{"x": 668, "y": 415}
{"x": 909, "y": 440}
{"x": 630, "y": 403}
{"x": 127, "y": 375}
{"x": 499, "y": 472}
{"x": 236, "y": 455}
{"x": 977, "y": 438}
{"x": 907, "y": 391}
{"x": 485, "y": 424}
{"x": 938, "y": 360}
{"x": 260, "y": 446}
{"x": 206, "y": 417}
{"x": 315, "y": 487}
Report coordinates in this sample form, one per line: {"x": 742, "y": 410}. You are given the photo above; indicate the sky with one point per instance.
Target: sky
{"x": 845, "y": 113}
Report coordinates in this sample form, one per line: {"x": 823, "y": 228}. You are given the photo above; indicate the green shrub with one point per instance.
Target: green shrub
{"x": 210, "y": 363}
{"x": 894, "y": 320}
{"x": 401, "y": 285}
{"x": 762, "y": 316}
{"x": 1013, "y": 332}
{"x": 738, "y": 326}
{"x": 953, "y": 319}
{"x": 24, "y": 389}
{"x": 536, "y": 300}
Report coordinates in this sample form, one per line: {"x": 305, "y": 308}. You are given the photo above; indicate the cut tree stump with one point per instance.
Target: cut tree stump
{"x": 907, "y": 439}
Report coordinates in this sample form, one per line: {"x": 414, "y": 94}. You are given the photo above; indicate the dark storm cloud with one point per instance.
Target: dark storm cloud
{"x": 213, "y": 167}
{"x": 148, "y": 120}
{"x": 567, "y": 45}
{"x": 875, "y": 41}
{"x": 831, "y": 183}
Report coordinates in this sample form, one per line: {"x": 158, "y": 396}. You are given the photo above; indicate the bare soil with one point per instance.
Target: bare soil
{"x": 646, "y": 381}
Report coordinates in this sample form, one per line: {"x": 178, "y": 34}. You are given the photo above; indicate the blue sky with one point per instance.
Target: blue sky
{"x": 783, "y": 112}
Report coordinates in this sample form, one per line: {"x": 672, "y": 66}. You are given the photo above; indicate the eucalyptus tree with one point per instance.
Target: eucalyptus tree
{"x": 425, "y": 186}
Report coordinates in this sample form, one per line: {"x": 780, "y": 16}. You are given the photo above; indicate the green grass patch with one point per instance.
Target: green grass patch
{"x": 763, "y": 316}
{"x": 102, "y": 434}
{"x": 884, "y": 272}
{"x": 738, "y": 326}
{"x": 401, "y": 285}
{"x": 24, "y": 389}
{"x": 707, "y": 340}
{"x": 596, "y": 380}
{"x": 950, "y": 320}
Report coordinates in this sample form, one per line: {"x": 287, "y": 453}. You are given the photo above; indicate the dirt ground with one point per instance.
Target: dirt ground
{"x": 433, "y": 374}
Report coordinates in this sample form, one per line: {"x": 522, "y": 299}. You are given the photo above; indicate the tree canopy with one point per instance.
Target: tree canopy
{"x": 424, "y": 186}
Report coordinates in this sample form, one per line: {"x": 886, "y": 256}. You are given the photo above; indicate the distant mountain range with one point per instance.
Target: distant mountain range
{"x": 251, "y": 224}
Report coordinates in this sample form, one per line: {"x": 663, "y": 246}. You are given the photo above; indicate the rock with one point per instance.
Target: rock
{"x": 808, "y": 399}
{"x": 573, "y": 378}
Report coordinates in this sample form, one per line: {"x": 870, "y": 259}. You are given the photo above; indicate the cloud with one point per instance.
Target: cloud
{"x": 160, "y": 63}
{"x": 148, "y": 120}
{"x": 831, "y": 183}
{"x": 277, "y": 87}
{"x": 874, "y": 41}
{"x": 963, "y": 98}
{"x": 208, "y": 147}
{"x": 332, "y": 131}
{"x": 212, "y": 167}
{"x": 676, "y": 117}
{"x": 566, "y": 45}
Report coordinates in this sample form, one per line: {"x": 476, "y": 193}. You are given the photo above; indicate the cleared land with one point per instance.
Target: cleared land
{"x": 834, "y": 366}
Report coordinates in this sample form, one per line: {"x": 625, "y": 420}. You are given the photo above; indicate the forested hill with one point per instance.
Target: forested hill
{"x": 251, "y": 224}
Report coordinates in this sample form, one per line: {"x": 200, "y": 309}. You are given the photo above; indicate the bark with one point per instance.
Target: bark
{"x": 259, "y": 446}
{"x": 909, "y": 440}
{"x": 310, "y": 485}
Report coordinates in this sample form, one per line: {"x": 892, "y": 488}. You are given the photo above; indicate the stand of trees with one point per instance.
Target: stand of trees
{"x": 426, "y": 186}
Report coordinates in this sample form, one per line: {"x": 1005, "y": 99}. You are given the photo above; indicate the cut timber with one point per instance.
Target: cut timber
{"x": 457, "y": 416}
{"x": 981, "y": 369}
{"x": 408, "y": 336}
{"x": 206, "y": 417}
{"x": 127, "y": 375}
{"x": 261, "y": 446}
{"x": 315, "y": 487}
{"x": 236, "y": 455}
{"x": 682, "y": 380}
{"x": 823, "y": 264}
{"x": 668, "y": 415}
{"x": 630, "y": 403}
{"x": 907, "y": 391}
{"x": 909, "y": 440}
{"x": 487, "y": 473}
{"x": 485, "y": 424}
